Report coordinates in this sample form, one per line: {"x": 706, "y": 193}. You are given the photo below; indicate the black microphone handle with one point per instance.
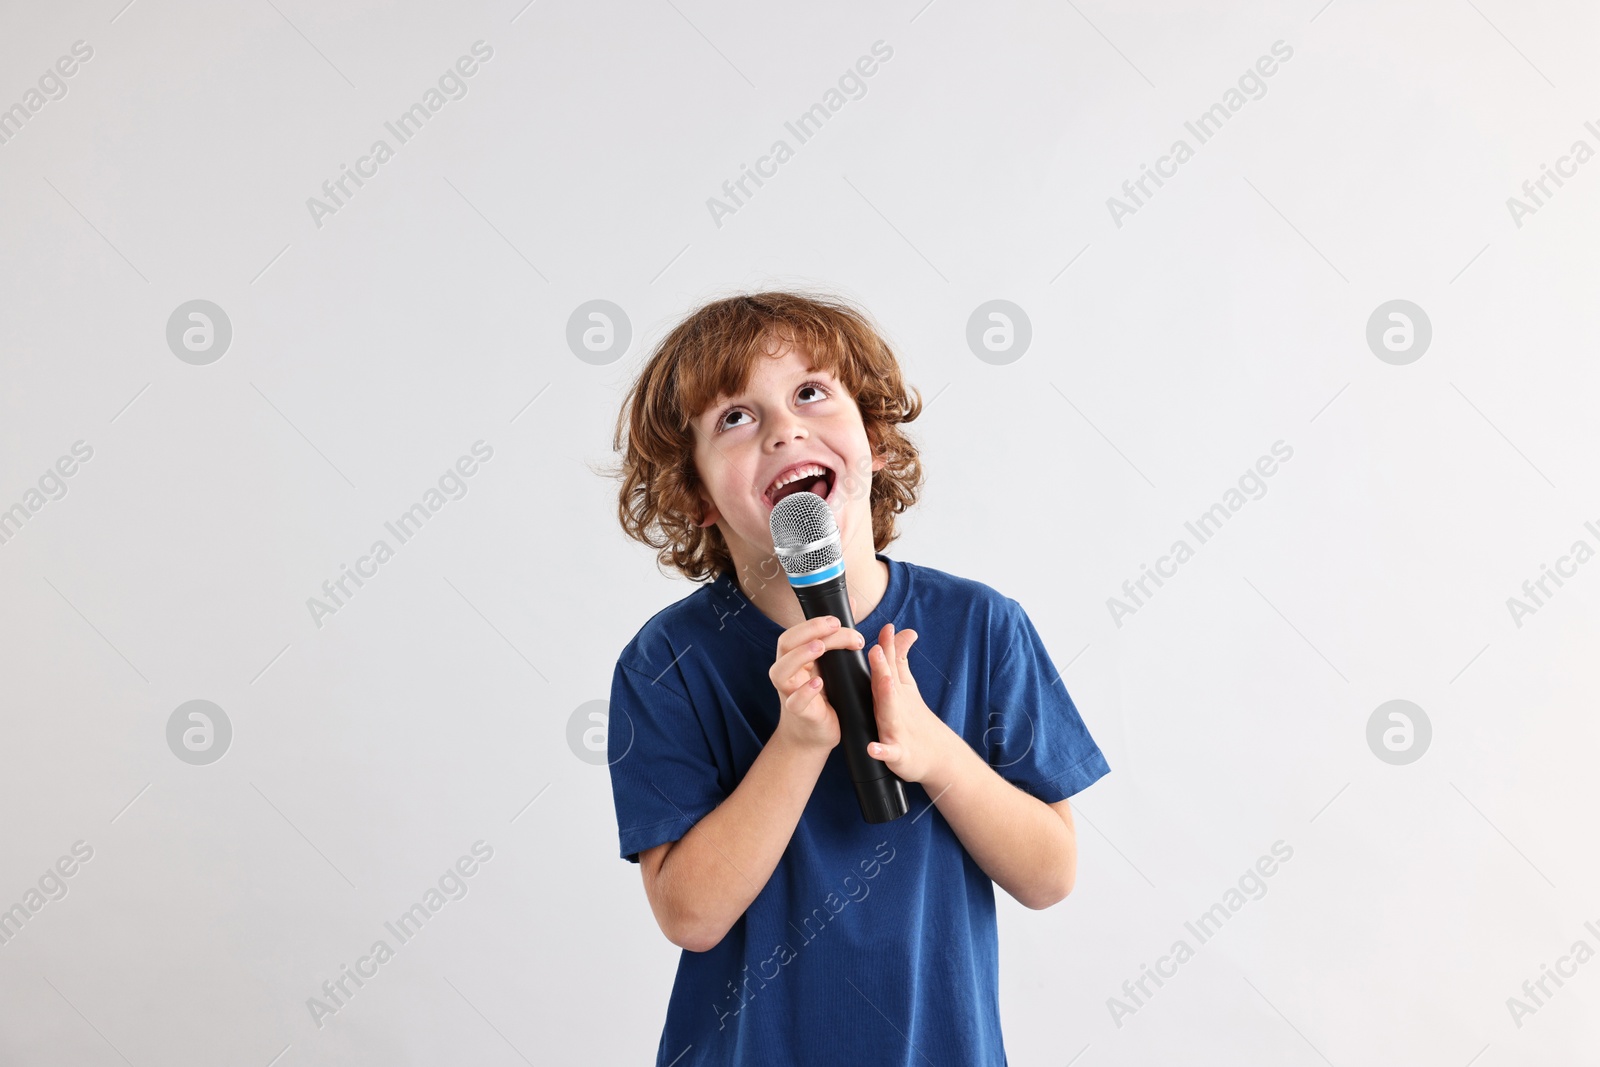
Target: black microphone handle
{"x": 847, "y": 682}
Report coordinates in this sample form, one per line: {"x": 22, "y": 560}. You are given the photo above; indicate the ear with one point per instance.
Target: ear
{"x": 711, "y": 512}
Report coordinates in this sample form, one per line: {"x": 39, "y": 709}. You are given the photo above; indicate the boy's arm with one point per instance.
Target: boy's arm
{"x": 700, "y": 884}
{"x": 1029, "y": 848}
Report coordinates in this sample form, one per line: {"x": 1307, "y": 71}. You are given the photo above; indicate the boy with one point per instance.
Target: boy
{"x": 810, "y": 936}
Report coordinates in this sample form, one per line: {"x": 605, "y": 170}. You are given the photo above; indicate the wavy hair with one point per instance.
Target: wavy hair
{"x": 711, "y": 354}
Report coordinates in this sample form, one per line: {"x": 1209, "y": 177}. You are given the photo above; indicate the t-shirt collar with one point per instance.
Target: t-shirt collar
{"x": 754, "y": 622}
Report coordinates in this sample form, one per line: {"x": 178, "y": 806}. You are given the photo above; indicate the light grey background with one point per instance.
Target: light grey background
{"x": 430, "y": 312}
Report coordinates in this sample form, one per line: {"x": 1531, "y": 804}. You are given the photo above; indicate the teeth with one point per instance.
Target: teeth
{"x": 812, "y": 471}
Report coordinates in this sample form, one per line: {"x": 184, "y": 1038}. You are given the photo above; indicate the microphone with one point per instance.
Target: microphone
{"x": 807, "y": 542}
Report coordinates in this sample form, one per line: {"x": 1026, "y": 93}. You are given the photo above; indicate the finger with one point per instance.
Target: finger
{"x": 888, "y": 641}
{"x": 798, "y": 634}
{"x": 793, "y": 663}
{"x": 799, "y": 700}
{"x": 846, "y": 638}
{"x": 888, "y": 751}
{"x": 883, "y": 685}
{"x": 903, "y": 642}
{"x": 797, "y": 680}
{"x": 803, "y": 656}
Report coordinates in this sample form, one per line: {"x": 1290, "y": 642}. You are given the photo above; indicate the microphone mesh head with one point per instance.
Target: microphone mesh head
{"x": 798, "y": 522}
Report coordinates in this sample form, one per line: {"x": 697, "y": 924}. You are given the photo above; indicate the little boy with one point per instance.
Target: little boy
{"x": 810, "y": 936}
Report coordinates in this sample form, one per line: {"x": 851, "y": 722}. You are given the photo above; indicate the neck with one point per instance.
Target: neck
{"x": 866, "y": 578}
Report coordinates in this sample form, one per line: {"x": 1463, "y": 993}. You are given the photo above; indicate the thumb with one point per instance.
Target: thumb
{"x": 888, "y": 751}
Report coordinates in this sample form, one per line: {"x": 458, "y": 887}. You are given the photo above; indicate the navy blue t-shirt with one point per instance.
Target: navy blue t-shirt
{"x": 870, "y": 944}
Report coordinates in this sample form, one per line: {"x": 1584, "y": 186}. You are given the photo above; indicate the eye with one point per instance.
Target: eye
{"x": 722, "y": 423}
{"x": 814, "y": 387}
{"x": 817, "y": 388}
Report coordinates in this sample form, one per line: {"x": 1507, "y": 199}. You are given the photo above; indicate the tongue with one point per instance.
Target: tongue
{"x": 818, "y": 486}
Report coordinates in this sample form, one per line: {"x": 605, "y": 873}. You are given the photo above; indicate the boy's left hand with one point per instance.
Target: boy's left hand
{"x": 910, "y": 736}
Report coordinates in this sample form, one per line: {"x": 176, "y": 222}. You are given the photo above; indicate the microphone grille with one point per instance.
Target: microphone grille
{"x": 799, "y": 522}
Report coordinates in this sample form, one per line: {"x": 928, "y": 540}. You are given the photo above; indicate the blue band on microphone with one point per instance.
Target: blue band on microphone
{"x": 816, "y": 577}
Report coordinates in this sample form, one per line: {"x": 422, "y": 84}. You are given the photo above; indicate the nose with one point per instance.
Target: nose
{"x": 783, "y": 427}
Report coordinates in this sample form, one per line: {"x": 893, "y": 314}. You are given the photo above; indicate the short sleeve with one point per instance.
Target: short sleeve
{"x": 663, "y": 776}
{"x": 1034, "y": 736}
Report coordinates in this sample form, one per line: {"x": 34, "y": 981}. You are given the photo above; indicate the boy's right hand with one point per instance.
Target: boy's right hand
{"x": 805, "y": 716}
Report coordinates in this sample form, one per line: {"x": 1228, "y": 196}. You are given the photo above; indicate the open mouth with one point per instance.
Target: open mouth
{"x": 803, "y": 478}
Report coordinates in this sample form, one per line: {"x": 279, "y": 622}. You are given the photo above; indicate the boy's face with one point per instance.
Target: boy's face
{"x": 789, "y": 417}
